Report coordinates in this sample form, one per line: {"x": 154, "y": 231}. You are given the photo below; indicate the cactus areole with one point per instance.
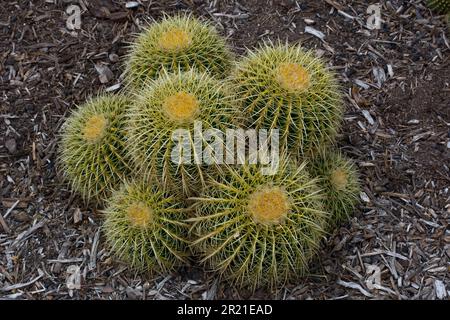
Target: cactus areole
{"x": 268, "y": 206}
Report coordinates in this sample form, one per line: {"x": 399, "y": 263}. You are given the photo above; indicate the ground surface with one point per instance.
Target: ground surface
{"x": 397, "y": 128}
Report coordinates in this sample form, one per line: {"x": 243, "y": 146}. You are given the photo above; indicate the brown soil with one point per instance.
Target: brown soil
{"x": 422, "y": 115}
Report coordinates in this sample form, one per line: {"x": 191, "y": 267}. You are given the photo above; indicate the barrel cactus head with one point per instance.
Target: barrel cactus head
{"x": 92, "y": 152}
{"x": 168, "y": 117}
{"x": 258, "y": 230}
{"x": 338, "y": 177}
{"x": 287, "y": 88}
{"x": 144, "y": 227}
{"x": 179, "y": 42}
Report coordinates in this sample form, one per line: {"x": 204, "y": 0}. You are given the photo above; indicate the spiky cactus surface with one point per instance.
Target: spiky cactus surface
{"x": 441, "y": 6}
{"x": 92, "y": 152}
{"x": 339, "y": 178}
{"x": 258, "y": 230}
{"x": 287, "y": 88}
{"x": 180, "y": 42}
{"x": 175, "y": 102}
{"x": 144, "y": 227}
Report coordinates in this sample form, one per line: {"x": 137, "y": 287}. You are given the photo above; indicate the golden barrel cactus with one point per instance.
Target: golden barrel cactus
{"x": 92, "y": 152}
{"x": 259, "y": 230}
{"x": 188, "y": 102}
{"x": 287, "y": 88}
{"x": 144, "y": 226}
{"x": 177, "y": 43}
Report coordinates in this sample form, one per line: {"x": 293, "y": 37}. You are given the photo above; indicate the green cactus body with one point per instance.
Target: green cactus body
{"x": 284, "y": 87}
{"x": 174, "y": 102}
{"x": 258, "y": 230}
{"x": 144, "y": 227}
{"x": 441, "y": 6}
{"x": 180, "y": 42}
{"x": 338, "y": 177}
{"x": 92, "y": 153}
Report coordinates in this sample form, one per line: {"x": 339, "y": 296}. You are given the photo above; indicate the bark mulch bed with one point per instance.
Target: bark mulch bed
{"x": 397, "y": 128}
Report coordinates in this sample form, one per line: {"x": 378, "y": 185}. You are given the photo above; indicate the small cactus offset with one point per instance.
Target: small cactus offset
{"x": 92, "y": 152}
{"x": 167, "y": 105}
{"x": 441, "y": 6}
{"x": 258, "y": 230}
{"x": 180, "y": 42}
{"x": 338, "y": 177}
{"x": 144, "y": 227}
{"x": 284, "y": 87}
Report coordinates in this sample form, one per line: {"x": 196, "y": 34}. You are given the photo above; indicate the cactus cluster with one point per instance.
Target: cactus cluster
{"x": 250, "y": 228}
